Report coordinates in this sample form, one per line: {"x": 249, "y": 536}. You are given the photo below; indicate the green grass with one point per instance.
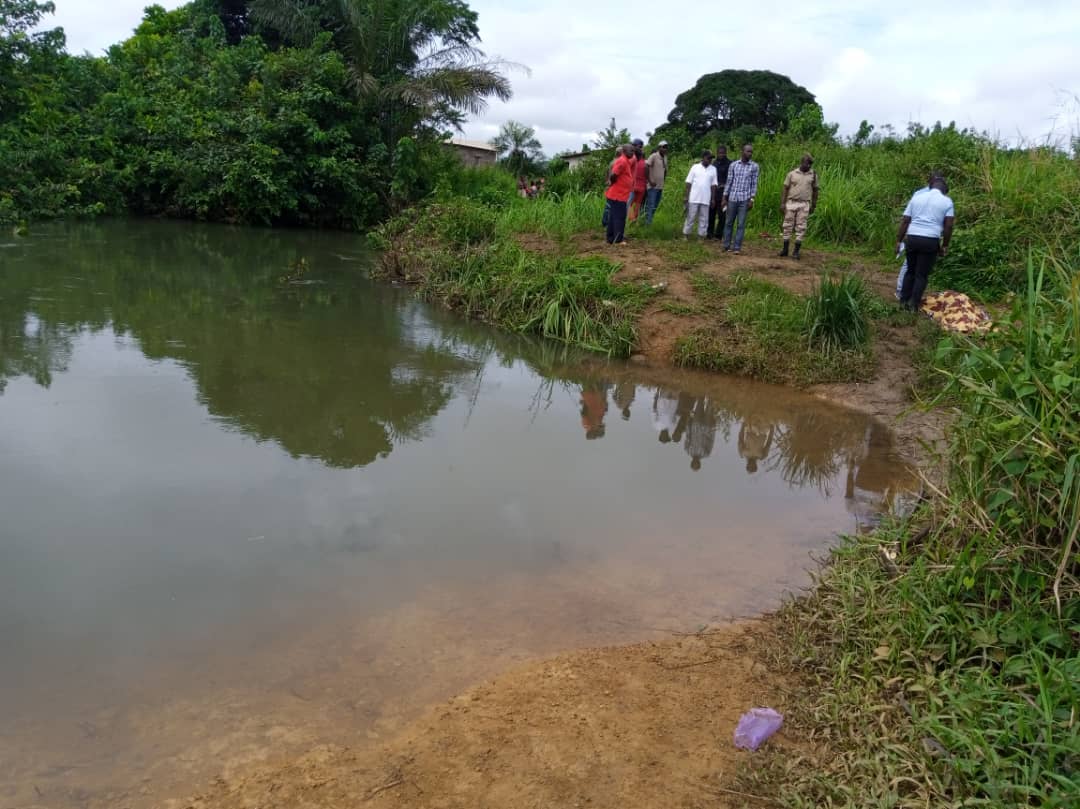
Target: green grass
{"x": 681, "y": 308}
{"x": 949, "y": 675}
{"x": 762, "y": 330}
{"x": 455, "y": 257}
{"x": 1008, "y": 201}
{"x": 836, "y": 316}
{"x": 569, "y": 299}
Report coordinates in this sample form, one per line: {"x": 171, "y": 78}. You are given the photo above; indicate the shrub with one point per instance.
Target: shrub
{"x": 836, "y": 314}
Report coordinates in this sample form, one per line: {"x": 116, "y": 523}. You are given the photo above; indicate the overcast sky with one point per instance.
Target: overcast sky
{"x": 1007, "y": 67}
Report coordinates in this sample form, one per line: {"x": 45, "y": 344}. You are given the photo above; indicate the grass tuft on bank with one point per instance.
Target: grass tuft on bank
{"x": 452, "y": 254}
{"x": 762, "y": 330}
{"x": 940, "y": 656}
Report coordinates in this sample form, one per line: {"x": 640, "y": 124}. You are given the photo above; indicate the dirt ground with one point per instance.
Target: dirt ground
{"x": 634, "y": 727}
{"x": 631, "y": 727}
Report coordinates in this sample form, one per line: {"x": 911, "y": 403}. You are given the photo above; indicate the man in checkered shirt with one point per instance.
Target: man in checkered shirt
{"x": 739, "y": 193}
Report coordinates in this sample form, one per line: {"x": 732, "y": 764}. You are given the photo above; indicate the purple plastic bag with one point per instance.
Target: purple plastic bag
{"x": 755, "y": 726}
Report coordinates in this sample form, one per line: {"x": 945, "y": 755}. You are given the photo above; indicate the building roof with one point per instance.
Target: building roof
{"x": 569, "y": 155}
{"x": 472, "y": 144}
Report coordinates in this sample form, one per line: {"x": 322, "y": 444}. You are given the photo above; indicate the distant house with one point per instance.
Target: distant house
{"x": 575, "y": 159}
{"x": 473, "y": 152}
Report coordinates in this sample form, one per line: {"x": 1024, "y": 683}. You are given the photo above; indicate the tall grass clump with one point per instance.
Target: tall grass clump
{"x": 759, "y": 329}
{"x": 573, "y": 300}
{"x": 555, "y": 216}
{"x": 941, "y": 654}
{"x": 453, "y": 253}
{"x": 1019, "y": 433}
{"x": 836, "y": 318}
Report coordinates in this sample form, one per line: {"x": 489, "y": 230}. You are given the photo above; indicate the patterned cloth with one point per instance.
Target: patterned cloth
{"x": 741, "y": 181}
{"x": 955, "y": 311}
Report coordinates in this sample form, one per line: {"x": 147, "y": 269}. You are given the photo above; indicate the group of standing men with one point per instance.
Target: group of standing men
{"x": 633, "y": 180}
{"x": 719, "y": 195}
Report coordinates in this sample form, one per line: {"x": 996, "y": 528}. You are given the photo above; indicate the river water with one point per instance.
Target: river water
{"x": 251, "y": 502}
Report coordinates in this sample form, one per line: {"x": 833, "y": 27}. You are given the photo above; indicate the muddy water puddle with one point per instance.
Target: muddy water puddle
{"x": 253, "y": 503}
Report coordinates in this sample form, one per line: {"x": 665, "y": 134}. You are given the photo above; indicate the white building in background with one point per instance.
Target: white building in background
{"x": 473, "y": 152}
{"x": 575, "y": 159}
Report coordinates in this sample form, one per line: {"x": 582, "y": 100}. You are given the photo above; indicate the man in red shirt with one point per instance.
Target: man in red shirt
{"x": 620, "y": 184}
{"x": 641, "y": 179}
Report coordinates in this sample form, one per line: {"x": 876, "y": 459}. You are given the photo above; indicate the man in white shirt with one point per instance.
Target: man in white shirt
{"x": 700, "y": 194}
{"x": 925, "y": 232}
{"x": 934, "y": 175}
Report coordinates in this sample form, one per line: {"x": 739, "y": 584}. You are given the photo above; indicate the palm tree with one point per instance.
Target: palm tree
{"x": 517, "y": 145}
{"x": 416, "y": 61}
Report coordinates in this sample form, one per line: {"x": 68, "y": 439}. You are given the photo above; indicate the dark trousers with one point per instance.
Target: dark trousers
{"x": 616, "y": 223}
{"x": 716, "y": 221}
{"x": 921, "y": 254}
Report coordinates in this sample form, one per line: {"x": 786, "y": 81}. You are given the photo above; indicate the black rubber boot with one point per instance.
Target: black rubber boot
{"x": 798, "y": 246}
{"x": 783, "y": 253}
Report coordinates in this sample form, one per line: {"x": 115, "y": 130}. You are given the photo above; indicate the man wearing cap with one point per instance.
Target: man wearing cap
{"x": 655, "y": 174}
{"x": 700, "y": 194}
{"x": 637, "y": 197}
{"x": 797, "y": 202}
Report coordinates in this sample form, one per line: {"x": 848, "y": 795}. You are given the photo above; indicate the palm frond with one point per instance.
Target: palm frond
{"x": 294, "y": 20}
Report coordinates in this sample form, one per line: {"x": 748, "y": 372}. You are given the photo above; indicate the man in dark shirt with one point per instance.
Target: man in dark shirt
{"x": 716, "y": 211}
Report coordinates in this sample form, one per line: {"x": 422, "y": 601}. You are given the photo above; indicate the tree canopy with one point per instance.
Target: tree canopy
{"x": 611, "y": 137}
{"x": 734, "y": 100}
{"x": 415, "y": 61}
{"x": 319, "y": 112}
{"x": 518, "y": 148}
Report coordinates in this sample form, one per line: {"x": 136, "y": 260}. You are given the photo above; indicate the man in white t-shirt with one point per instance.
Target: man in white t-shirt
{"x": 934, "y": 175}
{"x": 700, "y": 194}
{"x": 925, "y": 231}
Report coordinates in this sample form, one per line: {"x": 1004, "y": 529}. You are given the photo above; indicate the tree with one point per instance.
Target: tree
{"x": 25, "y": 53}
{"x": 808, "y": 124}
{"x": 611, "y": 138}
{"x": 736, "y": 99}
{"x": 415, "y": 61}
{"x": 862, "y": 137}
{"x": 518, "y": 148}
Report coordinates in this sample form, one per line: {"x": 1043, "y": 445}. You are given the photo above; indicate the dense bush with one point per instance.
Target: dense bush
{"x": 453, "y": 252}
{"x": 203, "y": 114}
{"x": 942, "y": 652}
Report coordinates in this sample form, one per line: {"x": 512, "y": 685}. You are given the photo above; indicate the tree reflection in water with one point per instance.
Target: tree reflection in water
{"x": 334, "y": 368}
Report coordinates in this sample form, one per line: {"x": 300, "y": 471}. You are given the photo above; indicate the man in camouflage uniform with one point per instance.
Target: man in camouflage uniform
{"x": 798, "y": 202}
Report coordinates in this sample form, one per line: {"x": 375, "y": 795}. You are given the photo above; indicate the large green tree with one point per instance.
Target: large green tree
{"x": 324, "y": 112}
{"x": 518, "y": 148}
{"x": 414, "y": 62}
{"x": 25, "y": 52}
{"x": 738, "y": 101}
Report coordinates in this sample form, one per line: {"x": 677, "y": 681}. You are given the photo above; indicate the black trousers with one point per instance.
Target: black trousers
{"x": 616, "y": 223}
{"x": 716, "y": 221}
{"x": 921, "y": 254}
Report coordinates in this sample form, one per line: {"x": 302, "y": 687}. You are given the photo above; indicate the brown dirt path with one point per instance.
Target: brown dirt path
{"x": 631, "y": 727}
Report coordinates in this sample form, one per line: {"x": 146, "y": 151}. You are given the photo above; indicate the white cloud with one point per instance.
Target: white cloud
{"x": 94, "y": 25}
{"x": 998, "y": 66}
{"x": 1005, "y": 67}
